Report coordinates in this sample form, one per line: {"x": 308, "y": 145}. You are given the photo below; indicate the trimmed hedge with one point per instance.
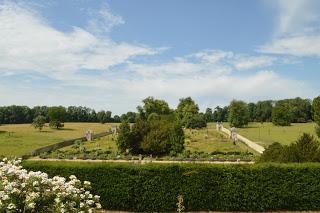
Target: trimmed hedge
{"x": 152, "y": 187}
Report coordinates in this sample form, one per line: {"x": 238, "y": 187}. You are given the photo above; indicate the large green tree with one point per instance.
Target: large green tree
{"x": 152, "y": 105}
{"x": 57, "y": 116}
{"x": 238, "y": 113}
{"x": 39, "y": 122}
{"x": 281, "y": 114}
{"x": 187, "y": 113}
{"x": 316, "y": 113}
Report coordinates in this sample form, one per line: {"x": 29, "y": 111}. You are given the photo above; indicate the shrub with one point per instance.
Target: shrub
{"x": 22, "y": 191}
{"x": 39, "y": 122}
{"x": 154, "y": 188}
{"x": 305, "y": 149}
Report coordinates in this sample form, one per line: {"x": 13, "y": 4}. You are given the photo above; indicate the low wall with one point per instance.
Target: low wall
{"x": 66, "y": 143}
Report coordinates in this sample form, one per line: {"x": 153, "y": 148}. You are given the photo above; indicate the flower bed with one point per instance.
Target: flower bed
{"x": 23, "y": 191}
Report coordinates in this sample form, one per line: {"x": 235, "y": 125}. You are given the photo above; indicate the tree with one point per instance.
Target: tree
{"x": 220, "y": 114}
{"x": 155, "y": 136}
{"x": 252, "y": 108}
{"x": 187, "y": 113}
{"x": 281, "y": 114}
{"x": 305, "y": 149}
{"x": 152, "y": 105}
{"x": 264, "y": 111}
{"x": 316, "y": 114}
{"x": 238, "y": 113}
{"x": 104, "y": 116}
{"x": 39, "y": 122}
{"x": 57, "y": 116}
{"x": 197, "y": 121}
{"x": 124, "y": 137}
{"x": 209, "y": 115}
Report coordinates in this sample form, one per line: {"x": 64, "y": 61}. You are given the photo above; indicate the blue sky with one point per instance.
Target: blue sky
{"x": 110, "y": 54}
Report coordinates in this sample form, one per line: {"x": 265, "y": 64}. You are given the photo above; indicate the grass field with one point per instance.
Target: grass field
{"x": 204, "y": 140}
{"x": 20, "y": 139}
{"x": 266, "y": 133}
{"x": 209, "y": 140}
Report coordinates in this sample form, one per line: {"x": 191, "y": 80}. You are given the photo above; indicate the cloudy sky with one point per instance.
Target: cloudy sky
{"x": 110, "y": 54}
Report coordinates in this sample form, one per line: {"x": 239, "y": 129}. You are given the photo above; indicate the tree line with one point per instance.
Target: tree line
{"x": 24, "y": 114}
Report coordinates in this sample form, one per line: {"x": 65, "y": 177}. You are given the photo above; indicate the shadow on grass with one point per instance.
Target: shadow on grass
{"x": 66, "y": 129}
{"x": 2, "y": 132}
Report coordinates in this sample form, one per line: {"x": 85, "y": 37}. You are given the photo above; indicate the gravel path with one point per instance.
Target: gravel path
{"x": 245, "y": 140}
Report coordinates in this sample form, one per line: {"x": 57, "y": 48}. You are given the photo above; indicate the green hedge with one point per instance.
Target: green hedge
{"x": 152, "y": 187}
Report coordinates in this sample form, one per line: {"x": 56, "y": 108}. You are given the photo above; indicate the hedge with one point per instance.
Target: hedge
{"x": 153, "y": 187}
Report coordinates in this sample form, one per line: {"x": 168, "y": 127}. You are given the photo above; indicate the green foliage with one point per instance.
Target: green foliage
{"x": 154, "y": 188}
{"x": 238, "y": 114}
{"x": 124, "y": 137}
{"x": 157, "y": 136}
{"x": 316, "y": 110}
{"x": 57, "y": 116}
{"x": 197, "y": 121}
{"x": 39, "y": 122}
{"x": 152, "y": 105}
{"x": 220, "y": 114}
{"x": 281, "y": 114}
{"x": 305, "y": 149}
{"x": 263, "y": 111}
{"x": 104, "y": 116}
{"x": 317, "y": 130}
{"x": 188, "y": 114}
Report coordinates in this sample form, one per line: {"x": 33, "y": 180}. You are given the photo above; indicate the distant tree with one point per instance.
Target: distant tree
{"x": 124, "y": 138}
{"x": 104, "y": 116}
{"x": 281, "y": 114}
{"x": 209, "y": 115}
{"x": 197, "y": 121}
{"x": 57, "y": 116}
{"x": 152, "y": 105}
{"x": 316, "y": 114}
{"x": 300, "y": 110}
{"x": 187, "y": 113}
{"x": 252, "y": 108}
{"x": 39, "y": 122}
{"x": 220, "y": 114}
{"x": 263, "y": 111}
{"x": 116, "y": 119}
{"x": 238, "y": 114}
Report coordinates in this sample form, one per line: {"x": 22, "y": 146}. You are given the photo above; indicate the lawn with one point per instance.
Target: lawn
{"x": 209, "y": 140}
{"x": 20, "y": 139}
{"x": 205, "y": 140}
{"x": 266, "y": 133}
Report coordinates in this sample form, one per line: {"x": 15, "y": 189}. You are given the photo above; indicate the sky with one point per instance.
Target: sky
{"x": 111, "y": 54}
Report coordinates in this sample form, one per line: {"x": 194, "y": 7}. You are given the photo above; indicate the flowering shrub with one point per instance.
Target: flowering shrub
{"x": 23, "y": 191}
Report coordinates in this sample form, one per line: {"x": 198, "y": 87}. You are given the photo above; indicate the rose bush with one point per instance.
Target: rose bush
{"x": 23, "y": 191}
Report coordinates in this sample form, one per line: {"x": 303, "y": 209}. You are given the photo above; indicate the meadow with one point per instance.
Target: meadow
{"x": 266, "y": 133}
{"x": 20, "y": 139}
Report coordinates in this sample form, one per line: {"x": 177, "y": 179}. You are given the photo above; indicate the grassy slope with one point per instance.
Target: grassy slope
{"x": 266, "y": 133}
{"x": 20, "y": 139}
{"x": 206, "y": 140}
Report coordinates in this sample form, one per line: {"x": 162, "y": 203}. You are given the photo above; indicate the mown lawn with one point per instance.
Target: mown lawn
{"x": 266, "y": 133}
{"x": 20, "y": 139}
{"x": 205, "y": 140}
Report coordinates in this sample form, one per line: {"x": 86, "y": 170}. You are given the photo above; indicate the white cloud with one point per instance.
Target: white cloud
{"x": 297, "y": 46}
{"x": 29, "y": 43}
{"x": 250, "y": 62}
{"x": 103, "y": 20}
{"x": 297, "y": 16}
{"x": 297, "y": 32}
